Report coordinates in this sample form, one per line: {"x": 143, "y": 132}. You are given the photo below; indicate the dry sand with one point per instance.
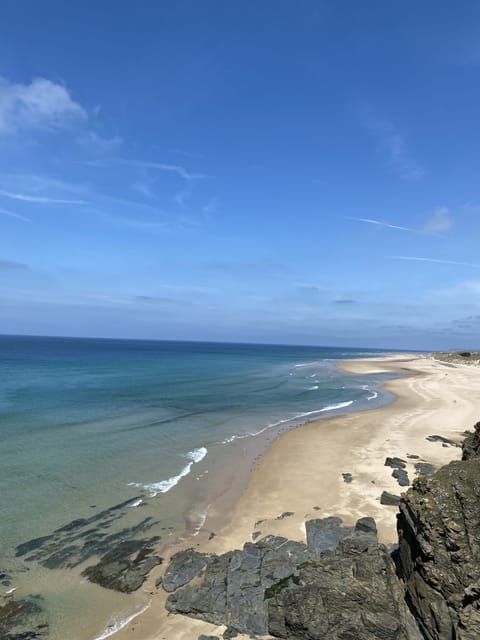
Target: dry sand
{"x": 302, "y": 471}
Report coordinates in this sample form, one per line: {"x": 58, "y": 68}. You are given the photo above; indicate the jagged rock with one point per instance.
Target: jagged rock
{"x": 325, "y": 533}
{"x": 439, "y": 536}
{"x": 425, "y": 468}
{"x": 285, "y": 514}
{"x": 389, "y": 499}
{"x": 471, "y": 444}
{"x": 292, "y": 590}
{"x": 401, "y": 476}
{"x": 204, "y": 637}
{"x": 183, "y": 566}
{"x": 443, "y": 440}
{"x": 395, "y": 463}
{"x": 347, "y": 477}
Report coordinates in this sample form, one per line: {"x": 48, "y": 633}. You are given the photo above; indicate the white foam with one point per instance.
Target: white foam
{"x": 373, "y": 396}
{"x": 339, "y": 405}
{"x": 331, "y": 407}
{"x": 314, "y": 388}
{"x": 163, "y": 486}
{"x": 197, "y": 454}
{"x": 201, "y": 521}
{"x": 116, "y": 625}
{"x": 135, "y": 503}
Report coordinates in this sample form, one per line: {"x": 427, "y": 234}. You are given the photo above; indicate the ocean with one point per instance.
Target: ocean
{"x": 118, "y": 439}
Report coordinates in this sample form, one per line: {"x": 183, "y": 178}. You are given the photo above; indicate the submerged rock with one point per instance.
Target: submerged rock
{"x": 125, "y": 567}
{"x": 23, "y": 620}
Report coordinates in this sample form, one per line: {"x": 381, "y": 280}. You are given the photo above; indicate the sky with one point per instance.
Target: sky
{"x": 280, "y": 171}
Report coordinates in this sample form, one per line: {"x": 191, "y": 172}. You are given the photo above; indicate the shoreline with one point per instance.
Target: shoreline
{"x": 430, "y": 399}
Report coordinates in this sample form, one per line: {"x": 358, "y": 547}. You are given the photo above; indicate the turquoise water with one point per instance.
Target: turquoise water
{"x": 86, "y": 424}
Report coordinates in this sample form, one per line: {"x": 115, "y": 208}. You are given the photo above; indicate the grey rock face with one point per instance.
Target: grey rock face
{"x": 389, "y": 499}
{"x": 425, "y": 468}
{"x": 401, "y": 476}
{"x": 325, "y": 533}
{"x": 337, "y": 587}
{"x": 184, "y": 566}
{"x": 439, "y": 536}
{"x": 395, "y": 463}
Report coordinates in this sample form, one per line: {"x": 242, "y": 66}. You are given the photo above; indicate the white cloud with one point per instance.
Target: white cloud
{"x": 24, "y": 197}
{"x": 172, "y": 168}
{"x": 11, "y": 214}
{"x": 42, "y": 104}
{"x": 93, "y": 142}
{"x": 380, "y": 223}
{"x": 439, "y": 222}
{"x": 436, "y": 260}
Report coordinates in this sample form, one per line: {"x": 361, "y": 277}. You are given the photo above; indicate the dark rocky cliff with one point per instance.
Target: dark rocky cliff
{"x": 342, "y": 584}
{"x": 439, "y": 543}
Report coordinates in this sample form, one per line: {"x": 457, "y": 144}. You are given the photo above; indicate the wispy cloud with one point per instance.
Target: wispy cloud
{"x": 11, "y": 214}
{"x": 171, "y": 168}
{"x": 211, "y": 206}
{"x": 381, "y": 223}
{"x": 394, "y": 144}
{"x": 11, "y": 264}
{"x": 42, "y": 104}
{"x": 95, "y": 143}
{"x": 25, "y": 197}
{"x": 435, "y": 260}
{"x": 439, "y": 222}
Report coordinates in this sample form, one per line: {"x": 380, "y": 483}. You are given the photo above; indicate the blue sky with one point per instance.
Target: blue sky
{"x": 277, "y": 171}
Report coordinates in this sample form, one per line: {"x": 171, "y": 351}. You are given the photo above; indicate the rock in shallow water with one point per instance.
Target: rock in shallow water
{"x": 125, "y": 567}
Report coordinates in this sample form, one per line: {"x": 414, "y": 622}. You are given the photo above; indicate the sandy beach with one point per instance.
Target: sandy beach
{"x": 302, "y": 471}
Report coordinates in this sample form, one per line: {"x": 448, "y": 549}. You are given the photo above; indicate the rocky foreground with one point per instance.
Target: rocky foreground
{"x": 342, "y": 584}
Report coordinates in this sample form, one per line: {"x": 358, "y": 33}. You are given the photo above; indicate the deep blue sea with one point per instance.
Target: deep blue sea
{"x": 86, "y": 424}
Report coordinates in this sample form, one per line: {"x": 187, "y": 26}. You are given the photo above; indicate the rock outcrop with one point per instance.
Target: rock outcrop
{"x": 341, "y": 585}
{"x": 439, "y": 544}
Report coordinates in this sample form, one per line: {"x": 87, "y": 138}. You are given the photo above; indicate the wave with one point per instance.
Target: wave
{"x": 135, "y": 503}
{"x": 163, "y": 486}
{"x": 314, "y": 388}
{"x": 374, "y": 395}
{"x": 339, "y": 405}
{"x": 197, "y": 454}
{"x": 116, "y": 625}
{"x": 201, "y": 521}
{"x": 330, "y": 407}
